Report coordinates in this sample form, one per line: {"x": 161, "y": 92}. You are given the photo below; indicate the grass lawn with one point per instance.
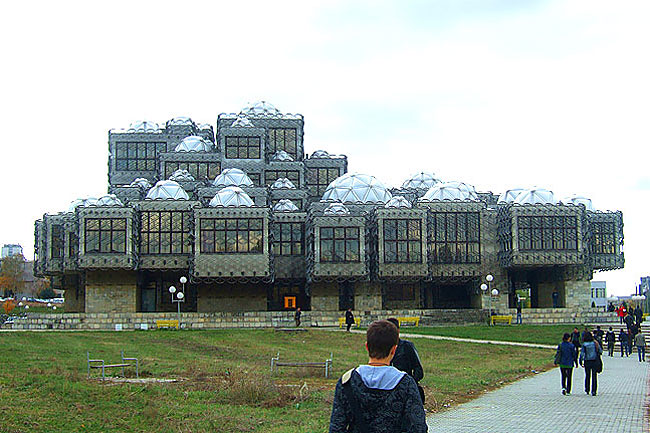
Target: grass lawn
{"x": 224, "y": 382}
{"x": 540, "y": 334}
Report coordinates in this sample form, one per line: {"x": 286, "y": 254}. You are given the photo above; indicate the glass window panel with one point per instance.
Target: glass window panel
{"x": 219, "y": 241}
{"x": 231, "y": 241}
{"x": 352, "y": 250}
{"x": 326, "y": 233}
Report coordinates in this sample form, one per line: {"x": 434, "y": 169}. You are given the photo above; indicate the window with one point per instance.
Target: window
{"x": 56, "y": 247}
{"x": 271, "y": 176}
{"x": 319, "y": 178}
{"x": 288, "y": 239}
{"x": 73, "y": 244}
{"x": 547, "y": 233}
{"x": 255, "y": 178}
{"x": 165, "y": 232}
{"x": 200, "y": 170}
{"x": 230, "y": 235}
{"x": 243, "y": 147}
{"x": 339, "y": 244}
{"x": 402, "y": 241}
{"x": 134, "y": 156}
{"x": 105, "y": 235}
{"x": 604, "y": 237}
{"x": 283, "y": 139}
{"x": 455, "y": 237}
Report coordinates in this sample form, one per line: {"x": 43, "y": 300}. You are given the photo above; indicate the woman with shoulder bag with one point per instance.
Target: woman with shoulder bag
{"x": 589, "y": 359}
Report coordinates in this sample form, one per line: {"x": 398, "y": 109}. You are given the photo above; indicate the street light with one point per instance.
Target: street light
{"x": 486, "y": 290}
{"x": 180, "y": 297}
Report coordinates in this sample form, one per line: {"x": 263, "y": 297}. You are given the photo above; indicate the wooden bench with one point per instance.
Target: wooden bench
{"x": 167, "y": 324}
{"x": 99, "y": 363}
{"x": 327, "y": 364}
{"x": 357, "y": 321}
{"x": 414, "y": 320}
{"x": 504, "y": 319}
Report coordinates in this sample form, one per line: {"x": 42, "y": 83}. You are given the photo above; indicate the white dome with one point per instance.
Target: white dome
{"x": 336, "y": 209}
{"x": 357, "y": 188}
{"x": 193, "y": 143}
{"x": 180, "y": 121}
{"x": 109, "y": 200}
{"x": 281, "y": 155}
{"x": 83, "y": 202}
{"x": 167, "y": 190}
{"x": 231, "y": 196}
{"x": 320, "y": 154}
{"x": 447, "y": 191}
{"x": 205, "y": 126}
{"x": 398, "y": 202}
{"x": 242, "y": 122}
{"x": 143, "y": 126}
{"x": 536, "y": 196}
{"x": 579, "y": 200}
{"x": 260, "y": 108}
{"x": 233, "y": 177}
{"x": 510, "y": 195}
{"x": 468, "y": 190}
{"x": 142, "y": 183}
{"x": 283, "y": 183}
{"x": 181, "y": 175}
{"x": 420, "y": 180}
{"x": 285, "y": 205}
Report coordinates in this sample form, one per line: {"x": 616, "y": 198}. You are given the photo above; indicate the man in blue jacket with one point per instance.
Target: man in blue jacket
{"x": 376, "y": 397}
{"x": 566, "y": 356}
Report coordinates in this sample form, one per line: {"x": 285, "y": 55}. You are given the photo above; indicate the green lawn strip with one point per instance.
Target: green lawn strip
{"x": 225, "y": 379}
{"x": 537, "y": 334}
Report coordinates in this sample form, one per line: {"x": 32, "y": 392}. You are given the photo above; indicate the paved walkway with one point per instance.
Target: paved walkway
{"x": 535, "y": 404}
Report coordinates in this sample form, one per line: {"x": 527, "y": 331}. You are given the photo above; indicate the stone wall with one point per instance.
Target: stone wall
{"x": 232, "y": 298}
{"x": 367, "y": 296}
{"x": 577, "y": 294}
{"x": 111, "y": 292}
{"x": 75, "y": 300}
{"x": 325, "y": 297}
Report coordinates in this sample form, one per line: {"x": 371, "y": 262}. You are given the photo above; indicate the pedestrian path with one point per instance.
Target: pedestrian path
{"x": 535, "y": 404}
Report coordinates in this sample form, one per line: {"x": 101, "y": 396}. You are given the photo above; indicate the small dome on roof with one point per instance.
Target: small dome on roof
{"x": 398, "y": 202}
{"x": 109, "y": 200}
{"x": 283, "y": 183}
{"x": 285, "y": 205}
{"x": 205, "y": 126}
{"x": 469, "y": 190}
{"x": 143, "y": 126}
{"x": 510, "y": 195}
{"x": 447, "y": 191}
{"x": 242, "y": 122}
{"x": 231, "y": 196}
{"x": 180, "y": 121}
{"x": 320, "y": 154}
{"x": 83, "y": 202}
{"x": 260, "y": 108}
{"x": 336, "y": 209}
{"x": 357, "y": 188}
{"x": 281, "y": 155}
{"x": 421, "y": 180}
{"x": 232, "y": 177}
{"x": 579, "y": 200}
{"x": 193, "y": 143}
{"x": 536, "y": 196}
{"x": 142, "y": 183}
{"x": 181, "y": 175}
{"x": 167, "y": 190}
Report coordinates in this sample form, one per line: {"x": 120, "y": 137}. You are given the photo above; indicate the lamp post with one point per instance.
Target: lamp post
{"x": 180, "y": 297}
{"x": 486, "y": 290}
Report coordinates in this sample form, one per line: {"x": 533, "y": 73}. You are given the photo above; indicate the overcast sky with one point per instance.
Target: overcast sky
{"x": 497, "y": 94}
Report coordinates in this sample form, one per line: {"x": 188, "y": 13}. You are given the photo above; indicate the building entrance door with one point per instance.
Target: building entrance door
{"x": 148, "y": 299}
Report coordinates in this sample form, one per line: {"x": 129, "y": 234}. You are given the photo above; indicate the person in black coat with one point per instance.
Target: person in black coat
{"x": 623, "y": 338}
{"x": 407, "y": 359}
{"x": 297, "y": 316}
{"x": 610, "y": 338}
{"x": 349, "y": 318}
{"x": 575, "y": 340}
{"x": 378, "y": 398}
{"x": 638, "y": 314}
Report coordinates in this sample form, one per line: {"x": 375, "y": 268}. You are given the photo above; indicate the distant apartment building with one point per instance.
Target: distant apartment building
{"x": 11, "y": 250}
{"x": 599, "y": 294}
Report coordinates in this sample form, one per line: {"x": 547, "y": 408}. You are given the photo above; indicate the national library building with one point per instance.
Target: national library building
{"x": 255, "y": 224}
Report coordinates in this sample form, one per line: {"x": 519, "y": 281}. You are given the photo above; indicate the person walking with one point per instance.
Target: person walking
{"x": 598, "y": 335}
{"x": 629, "y": 321}
{"x": 555, "y": 297}
{"x": 639, "y": 342}
{"x": 610, "y": 339}
{"x": 623, "y": 340}
{"x": 407, "y": 359}
{"x": 377, "y": 397}
{"x": 638, "y": 315}
{"x": 565, "y": 357}
{"x": 589, "y": 359}
{"x": 620, "y": 312}
{"x": 296, "y": 317}
{"x": 575, "y": 340}
{"x": 519, "y": 313}
{"x": 349, "y": 318}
